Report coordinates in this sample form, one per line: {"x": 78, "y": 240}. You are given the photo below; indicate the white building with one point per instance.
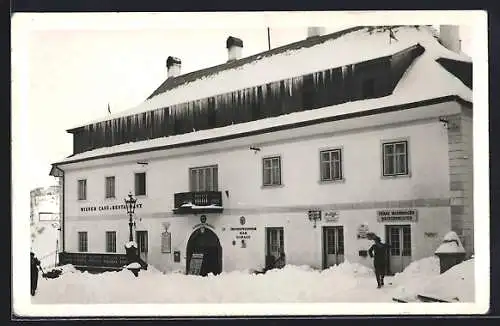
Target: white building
{"x": 361, "y": 130}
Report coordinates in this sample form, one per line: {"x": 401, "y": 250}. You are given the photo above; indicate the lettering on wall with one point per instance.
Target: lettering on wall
{"x": 397, "y": 215}
{"x": 101, "y": 208}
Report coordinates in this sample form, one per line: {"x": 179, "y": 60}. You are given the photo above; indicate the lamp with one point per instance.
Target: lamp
{"x": 130, "y": 205}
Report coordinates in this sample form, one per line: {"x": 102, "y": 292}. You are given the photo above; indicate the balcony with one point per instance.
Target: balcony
{"x": 198, "y": 202}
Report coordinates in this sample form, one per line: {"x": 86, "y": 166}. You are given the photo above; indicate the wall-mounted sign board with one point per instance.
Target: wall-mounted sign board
{"x": 397, "y": 215}
{"x": 195, "y": 264}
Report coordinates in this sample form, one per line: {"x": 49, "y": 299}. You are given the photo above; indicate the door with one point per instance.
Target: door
{"x": 399, "y": 240}
{"x": 275, "y": 248}
{"x": 333, "y": 245}
{"x": 142, "y": 244}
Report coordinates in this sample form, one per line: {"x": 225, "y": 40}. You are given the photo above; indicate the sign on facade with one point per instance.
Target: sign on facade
{"x": 102, "y": 208}
{"x": 331, "y": 216}
{"x": 397, "y": 215}
{"x": 362, "y": 231}
{"x": 195, "y": 264}
{"x": 314, "y": 215}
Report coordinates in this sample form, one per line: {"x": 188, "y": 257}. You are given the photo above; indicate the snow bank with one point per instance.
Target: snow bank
{"x": 451, "y": 244}
{"x": 455, "y": 285}
{"x": 415, "y": 275}
{"x": 422, "y": 278}
{"x": 347, "y": 282}
{"x": 133, "y": 265}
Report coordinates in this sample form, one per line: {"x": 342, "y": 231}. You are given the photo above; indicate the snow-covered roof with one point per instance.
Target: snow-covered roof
{"x": 425, "y": 79}
{"x": 304, "y": 57}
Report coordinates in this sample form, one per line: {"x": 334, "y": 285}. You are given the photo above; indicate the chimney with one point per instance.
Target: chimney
{"x": 173, "y": 67}
{"x": 449, "y": 36}
{"x": 234, "y": 47}
{"x": 315, "y": 31}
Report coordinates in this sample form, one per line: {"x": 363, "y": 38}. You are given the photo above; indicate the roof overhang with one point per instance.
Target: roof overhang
{"x": 55, "y": 171}
{"x": 299, "y": 124}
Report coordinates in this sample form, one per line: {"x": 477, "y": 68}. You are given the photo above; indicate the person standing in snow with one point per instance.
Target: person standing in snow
{"x": 378, "y": 251}
{"x": 35, "y": 264}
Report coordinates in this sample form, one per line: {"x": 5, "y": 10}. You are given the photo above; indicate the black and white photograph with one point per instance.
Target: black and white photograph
{"x": 250, "y": 163}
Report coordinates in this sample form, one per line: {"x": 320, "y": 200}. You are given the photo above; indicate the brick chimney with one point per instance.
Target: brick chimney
{"x": 449, "y": 36}
{"x": 234, "y": 47}
{"x": 314, "y": 31}
{"x": 173, "y": 67}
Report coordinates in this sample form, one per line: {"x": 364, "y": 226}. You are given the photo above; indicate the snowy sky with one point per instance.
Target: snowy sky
{"x": 74, "y": 69}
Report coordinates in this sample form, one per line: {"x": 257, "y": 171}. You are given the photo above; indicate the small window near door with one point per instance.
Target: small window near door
{"x": 140, "y": 184}
{"x": 82, "y": 189}
{"x": 110, "y": 187}
{"x": 82, "y": 242}
{"x": 111, "y": 241}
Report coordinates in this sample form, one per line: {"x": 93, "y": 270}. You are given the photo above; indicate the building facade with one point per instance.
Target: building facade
{"x": 283, "y": 170}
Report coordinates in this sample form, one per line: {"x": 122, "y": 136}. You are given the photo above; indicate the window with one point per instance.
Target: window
{"x": 331, "y": 165}
{"x": 82, "y": 242}
{"x": 395, "y": 160}
{"x": 111, "y": 241}
{"x": 368, "y": 88}
{"x": 82, "y": 189}
{"x": 271, "y": 171}
{"x": 166, "y": 244}
{"x": 110, "y": 187}
{"x": 140, "y": 184}
{"x": 203, "y": 178}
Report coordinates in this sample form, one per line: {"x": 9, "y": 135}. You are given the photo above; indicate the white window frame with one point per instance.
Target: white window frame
{"x": 394, "y": 156}
{"x": 194, "y": 183}
{"x": 81, "y": 190}
{"x": 272, "y": 182}
{"x": 110, "y": 242}
{"x": 136, "y": 183}
{"x": 83, "y": 244}
{"x": 106, "y": 194}
{"x": 340, "y": 151}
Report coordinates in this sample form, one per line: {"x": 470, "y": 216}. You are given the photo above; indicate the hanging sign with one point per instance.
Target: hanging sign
{"x": 195, "y": 264}
{"x": 362, "y": 231}
{"x": 397, "y": 215}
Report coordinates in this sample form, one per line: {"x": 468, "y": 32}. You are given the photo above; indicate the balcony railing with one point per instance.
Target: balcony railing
{"x": 93, "y": 260}
{"x": 198, "y": 202}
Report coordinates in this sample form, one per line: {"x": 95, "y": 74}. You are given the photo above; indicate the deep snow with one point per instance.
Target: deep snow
{"x": 44, "y": 242}
{"x": 347, "y": 282}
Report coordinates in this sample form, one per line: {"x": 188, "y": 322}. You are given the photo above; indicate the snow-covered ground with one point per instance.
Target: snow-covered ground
{"x": 344, "y": 283}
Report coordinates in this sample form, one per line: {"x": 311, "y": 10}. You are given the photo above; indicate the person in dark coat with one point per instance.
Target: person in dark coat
{"x": 35, "y": 264}
{"x": 378, "y": 251}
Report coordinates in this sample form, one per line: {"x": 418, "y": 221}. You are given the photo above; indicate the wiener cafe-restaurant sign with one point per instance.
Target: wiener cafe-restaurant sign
{"x": 106, "y": 208}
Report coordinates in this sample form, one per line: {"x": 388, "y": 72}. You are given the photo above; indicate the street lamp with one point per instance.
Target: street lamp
{"x": 130, "y": 204}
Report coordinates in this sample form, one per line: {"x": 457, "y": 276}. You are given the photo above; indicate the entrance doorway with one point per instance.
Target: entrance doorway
{"x": 275, "y": 248}
{"x": 142, "y": 244}
{"x": 205, "y": 241}
{"x": 333, "y": 245}
{"x": 398, "y": 237}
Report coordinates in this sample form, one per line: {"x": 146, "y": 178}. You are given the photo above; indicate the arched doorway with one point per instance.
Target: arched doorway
{"x": 205, "y": 241}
